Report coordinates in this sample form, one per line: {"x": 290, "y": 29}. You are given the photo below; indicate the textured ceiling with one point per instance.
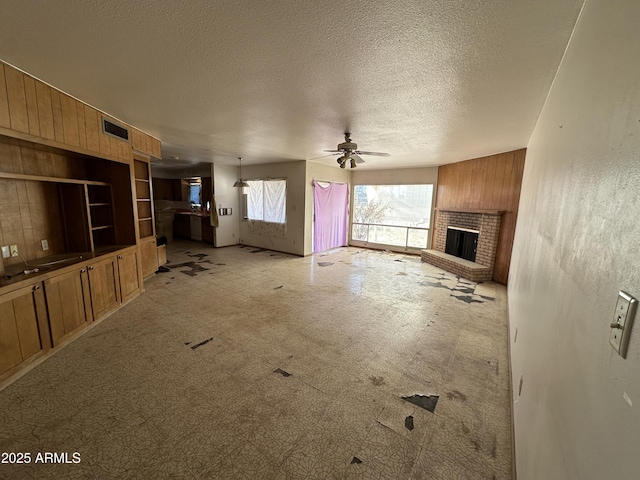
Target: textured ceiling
{"x": 428, "y": 81}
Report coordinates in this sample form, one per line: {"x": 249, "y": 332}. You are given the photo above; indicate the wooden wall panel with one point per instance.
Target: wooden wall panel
{"x": 70, "y": 120}
{"x": 32, "y": 105}
{"x": 17, "y": 99}
{"x": 488, "y": 183}
{"x": 5, "y": 120}
{"x": 45, "y": 111}
{"x": 57, "y": 115}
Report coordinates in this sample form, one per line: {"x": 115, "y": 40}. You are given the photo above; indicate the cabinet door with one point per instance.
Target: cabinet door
{"x": 23, "y": 326}
{"x": 129, "y": 275}
{"x": 69, "y": 305}
{"x": 104, "y": 286}
{"x": 149, "y": 253}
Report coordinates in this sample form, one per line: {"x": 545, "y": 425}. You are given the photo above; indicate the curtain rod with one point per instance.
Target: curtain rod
{"x": 330, "y": 181}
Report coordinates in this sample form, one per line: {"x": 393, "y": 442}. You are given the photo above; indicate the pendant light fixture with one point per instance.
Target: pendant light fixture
{"x": 240, "y": 182}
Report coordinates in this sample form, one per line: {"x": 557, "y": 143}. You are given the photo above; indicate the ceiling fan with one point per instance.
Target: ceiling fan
{"x": 350, "y": 153}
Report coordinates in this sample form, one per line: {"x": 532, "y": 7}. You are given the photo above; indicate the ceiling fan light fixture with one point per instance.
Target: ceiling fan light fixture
{"x": 240, "y": 183}
{"x": 353, "y": 163}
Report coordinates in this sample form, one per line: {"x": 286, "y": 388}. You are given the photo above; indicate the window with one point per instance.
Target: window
{"x": 267, "y": 200}
{"x": 395, "y": 215}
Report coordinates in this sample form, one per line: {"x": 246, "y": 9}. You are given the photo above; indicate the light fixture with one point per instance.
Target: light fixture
{"x": 240, "y": 182}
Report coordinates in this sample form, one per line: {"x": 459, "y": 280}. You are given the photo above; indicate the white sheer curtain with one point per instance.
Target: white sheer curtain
{"x": 255, "y": 204}
{"x": 275, "y": 194}
{"x": 267, "y": 200}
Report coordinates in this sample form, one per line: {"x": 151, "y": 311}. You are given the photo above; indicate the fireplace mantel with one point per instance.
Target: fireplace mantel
{"x": 471, "y": 210}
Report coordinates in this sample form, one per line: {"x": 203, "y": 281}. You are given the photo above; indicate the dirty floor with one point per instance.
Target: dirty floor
{"x": 247, "y": 363}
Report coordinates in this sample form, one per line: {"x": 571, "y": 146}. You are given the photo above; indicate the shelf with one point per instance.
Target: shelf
{"x": 41, "y": 178}
{"x": 101, "y": 227}
{"x": 143, "y": 219}
{"x": 104, "y": 204}
{"x": 143, "y": 199}
{"x": 142, "y": 180}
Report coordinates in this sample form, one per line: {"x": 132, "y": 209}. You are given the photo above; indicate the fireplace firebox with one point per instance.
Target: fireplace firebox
{"x": 462, "y": 243}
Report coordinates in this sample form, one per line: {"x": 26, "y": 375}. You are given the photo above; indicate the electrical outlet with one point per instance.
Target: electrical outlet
{"x": 14, "y": 250}
{"x": 6, "y": 253}
{"x": 45, "y": 245}
{"x": 622, "y": 323}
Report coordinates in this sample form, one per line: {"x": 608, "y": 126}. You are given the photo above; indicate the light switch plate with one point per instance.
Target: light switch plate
{"x": 622, "y": 323}
{"x": 45, "y": 245}
{"x": 6, "y": 253}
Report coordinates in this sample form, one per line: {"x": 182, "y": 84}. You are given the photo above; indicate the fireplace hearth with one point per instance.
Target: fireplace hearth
{"x": 465, "y": 242}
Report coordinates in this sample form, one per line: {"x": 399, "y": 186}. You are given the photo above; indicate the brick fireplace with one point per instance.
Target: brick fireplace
{"x": 486, "y": 223}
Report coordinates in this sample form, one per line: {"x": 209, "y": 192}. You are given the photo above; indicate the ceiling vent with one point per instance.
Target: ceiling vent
{"x": 114, "y": 130}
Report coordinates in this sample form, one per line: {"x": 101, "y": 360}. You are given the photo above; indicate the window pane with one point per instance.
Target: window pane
{"x": 396, "y": 236}
{"x": 359, "y": 232}
{"x": 404, "y": 205}
{"x": 417, "y": 238}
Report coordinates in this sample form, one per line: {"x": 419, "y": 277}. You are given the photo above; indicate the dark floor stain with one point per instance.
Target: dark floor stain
{"x": 325, "y": 264}
{"x": 282, "y": 372}
{"x": 484, "y": 297}
{"x": 398, "y": 260}
{"x": 428, "y": 402}
{"x": 465, "y": 429}
{"x": 187, "y": 343}
{"x": 355, "y": 460}
{"x": 273, "y": 255}
{"x": 475, "y": 445}
{"x": 467, "y": 298}
{"x": 401, "y": 274}
{"x": 204, "y": 342}
{"x": 163, "y": 269}
{"x": 199, "y": 255}
{"x": 494, "y": 447}
{"x": 206, "y": 261}
{"x": 408, "y": 422}
{"x": 456, "y": 395}
{"x": 167, "y": 283}
{"x": 278, "y": 287}
{"x": 377, "y": 381}
{"x": 173, "y": 278}
{"x": 194, "y": 270}
{"x": 259, "y": 250}
{"x": 468, "y": 291}
{"x": 433, "y": 284}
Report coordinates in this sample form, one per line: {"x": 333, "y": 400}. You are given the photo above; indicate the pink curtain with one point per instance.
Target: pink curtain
{"x": 331, "y": 208}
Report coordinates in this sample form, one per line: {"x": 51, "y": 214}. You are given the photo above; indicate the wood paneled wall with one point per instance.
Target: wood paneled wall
{"x": 487, "y": 183}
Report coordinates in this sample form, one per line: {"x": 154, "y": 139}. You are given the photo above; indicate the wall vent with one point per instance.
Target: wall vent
{"x": 114, "y": 130}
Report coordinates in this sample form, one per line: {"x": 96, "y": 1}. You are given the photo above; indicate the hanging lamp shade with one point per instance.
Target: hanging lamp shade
{"x": 240, "y": 182}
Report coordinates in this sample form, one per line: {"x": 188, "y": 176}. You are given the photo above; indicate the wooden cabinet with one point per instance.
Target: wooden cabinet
{"x": 68, "y": 303}
{"x": 129, "y": 274}
{"x": 167, "y": 189}
{"x": 144, "y": 143}
{"x": 29, "y": 106}
{"x": 104, "y": 286}
{"x": 24, "y": 331}
{"x": 182, "y": 226}
{"x": 149, "y": 253}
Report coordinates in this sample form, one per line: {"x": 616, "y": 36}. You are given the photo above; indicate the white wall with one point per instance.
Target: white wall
{"x": 577, "y": 243}
{"x": 227, "y": 196}
{"x": 295, "y": 173}
{"x": 318, "y": 171}
{"x": 396, "y": 176}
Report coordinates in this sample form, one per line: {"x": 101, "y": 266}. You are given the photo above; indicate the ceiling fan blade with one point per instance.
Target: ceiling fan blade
{"x": 333, "y": 151}
{"x": 377, "y": 154}
{"x": 323, "y": 156}
{"x": 357, "y": 158}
